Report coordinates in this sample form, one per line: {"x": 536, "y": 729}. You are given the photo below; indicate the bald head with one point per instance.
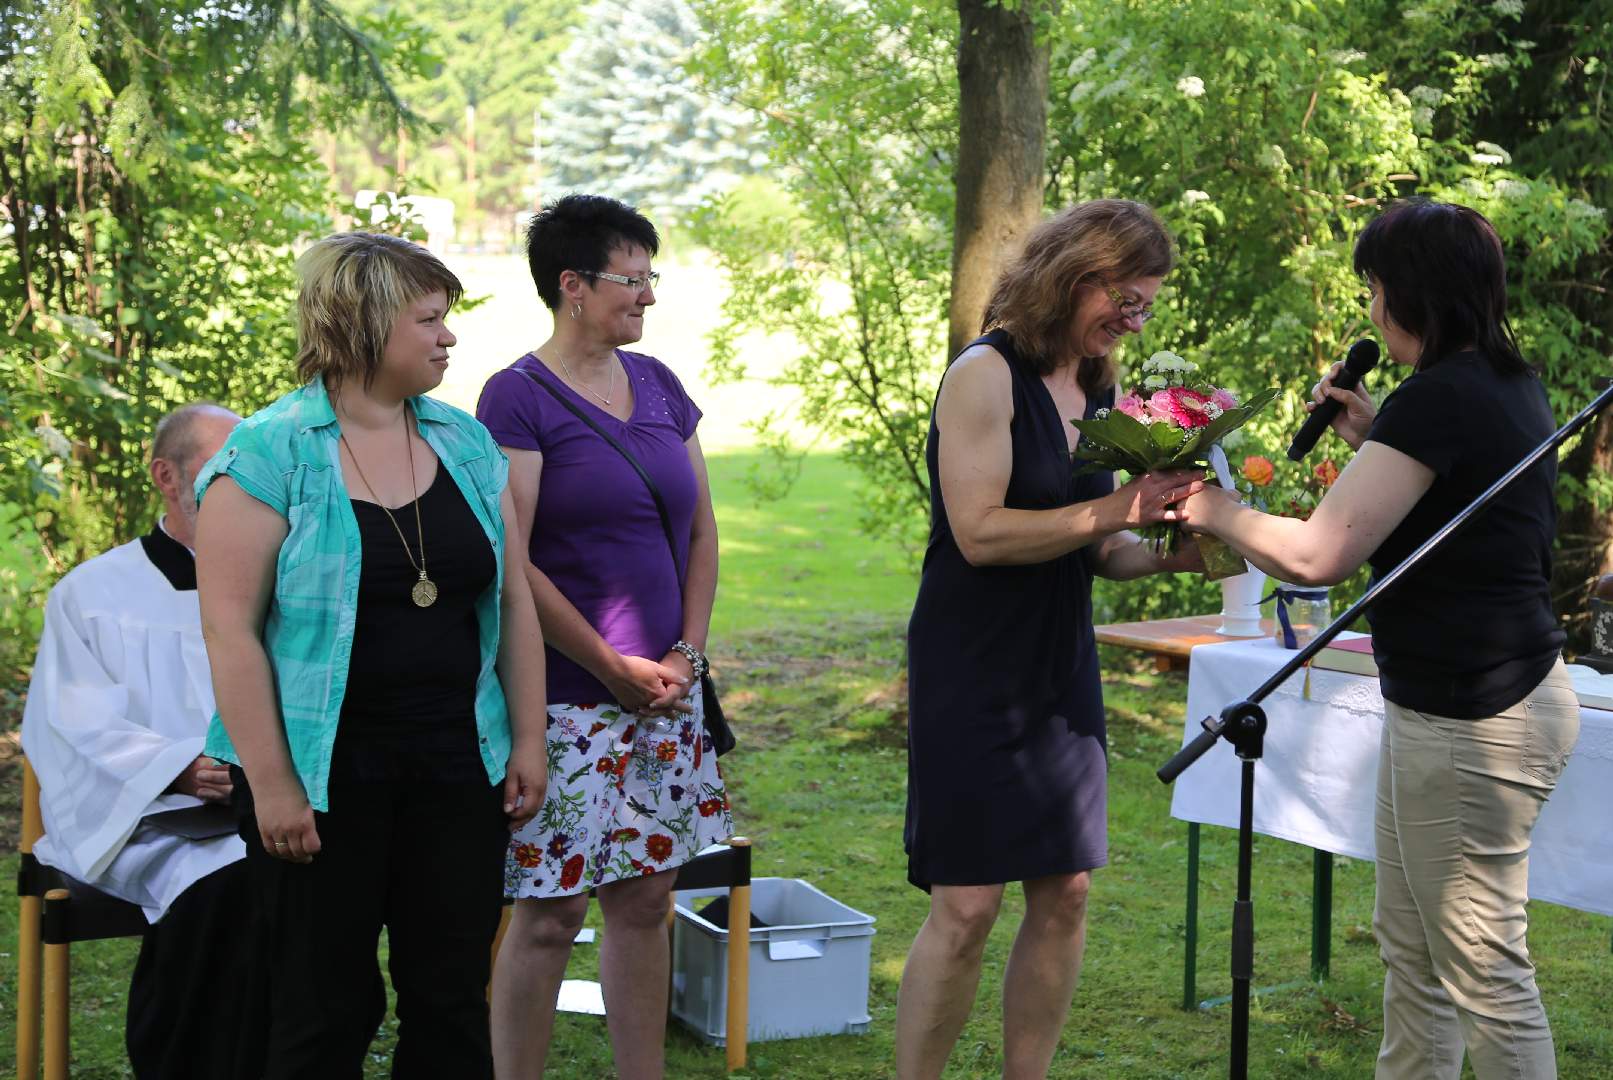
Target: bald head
{"x": 183, "y": 442}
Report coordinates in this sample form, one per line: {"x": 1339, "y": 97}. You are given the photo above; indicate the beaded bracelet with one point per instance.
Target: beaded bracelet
{"x": 696, "y": 658}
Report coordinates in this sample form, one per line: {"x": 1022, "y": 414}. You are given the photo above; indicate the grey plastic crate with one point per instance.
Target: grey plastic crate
{"x": 808, "y": 965}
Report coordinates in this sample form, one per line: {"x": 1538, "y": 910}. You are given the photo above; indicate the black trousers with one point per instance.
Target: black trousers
{"x": 425, "y": 860}
{"x": 191, "y": 1014}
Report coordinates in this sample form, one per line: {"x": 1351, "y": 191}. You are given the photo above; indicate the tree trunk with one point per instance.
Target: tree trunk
{"x": 1002, "y": 135}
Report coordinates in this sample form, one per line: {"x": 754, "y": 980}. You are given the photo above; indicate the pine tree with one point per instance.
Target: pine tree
{"x": 629, "y": 120}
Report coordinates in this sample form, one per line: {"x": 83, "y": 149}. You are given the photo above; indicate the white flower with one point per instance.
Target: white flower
{"x": 1509, "y": 8}
{"x": 1081, "y": 62}
{"x": 1343, "y": 57}
{"x": 1193, "y": 195}
{"x": 1490, "y": 150}
{"x": 1212, "y": 410}
{"x": 56, "y": 444}
{"x": 1579, "y": 208}
{"x": 1272, "y": 157}
{"x": 1190, "y": 86}
{"x": 1487, "y": 159}
{"x": 1512, "y": 189}
{"x": 1426, "y": 95}
{"x": 1422, "y": 116}
{"x": 1156, "y": 382}
{"x": 1101, "y": 413}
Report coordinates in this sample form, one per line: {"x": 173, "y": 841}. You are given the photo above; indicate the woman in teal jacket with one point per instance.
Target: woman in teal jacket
{"x": 378, "y": 668}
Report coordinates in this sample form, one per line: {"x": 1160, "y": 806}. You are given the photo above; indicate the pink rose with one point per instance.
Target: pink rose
{"x": 1132, "y": 406}
{"x": 1224, "y": 399}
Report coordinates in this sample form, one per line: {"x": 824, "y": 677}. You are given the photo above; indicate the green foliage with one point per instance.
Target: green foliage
{"x": 859, "y": 104}
{"x": 499, "y": 57}
{"x": 152, "y": 217}
{"x": 1266, "y": 135}
{"x": 630, "y": 123}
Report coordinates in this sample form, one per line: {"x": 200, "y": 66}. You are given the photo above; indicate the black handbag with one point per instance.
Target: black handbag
{"x": 722, "y": 736}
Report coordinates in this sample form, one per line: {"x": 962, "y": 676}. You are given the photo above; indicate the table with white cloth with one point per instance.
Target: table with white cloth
{"x": 1317, "y": 781}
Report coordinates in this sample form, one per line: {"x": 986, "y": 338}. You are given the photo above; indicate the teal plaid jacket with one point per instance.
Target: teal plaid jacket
{"x": 285, "y": 456}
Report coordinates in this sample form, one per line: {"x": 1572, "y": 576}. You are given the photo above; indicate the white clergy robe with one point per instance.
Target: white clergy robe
{"x": 118, "y": 706}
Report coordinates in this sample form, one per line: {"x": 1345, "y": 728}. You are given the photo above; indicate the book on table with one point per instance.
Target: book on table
{"x": 1352, "y": 654}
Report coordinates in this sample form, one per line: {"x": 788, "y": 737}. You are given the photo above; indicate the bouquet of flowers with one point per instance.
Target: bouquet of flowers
{"x": 1170, "y": 421}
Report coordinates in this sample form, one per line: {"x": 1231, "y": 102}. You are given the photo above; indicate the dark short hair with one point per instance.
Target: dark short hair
{"x": 1443, "y": 275}
{"x": 579, "y": 232}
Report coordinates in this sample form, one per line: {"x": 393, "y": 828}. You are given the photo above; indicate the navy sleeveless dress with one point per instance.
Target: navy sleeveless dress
{"x": 1007, "y": 775}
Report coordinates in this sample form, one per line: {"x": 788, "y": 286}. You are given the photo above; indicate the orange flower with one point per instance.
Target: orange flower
{"x": 1258, "y": 470}
{"x": 658, "y": 847}
{"x": 1327, "y": 472}
{"x": 528, "y": 855}
{"x": 667, "y": 750}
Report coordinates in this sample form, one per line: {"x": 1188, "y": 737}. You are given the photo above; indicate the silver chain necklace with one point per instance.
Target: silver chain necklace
{"x": 611, "y": 390}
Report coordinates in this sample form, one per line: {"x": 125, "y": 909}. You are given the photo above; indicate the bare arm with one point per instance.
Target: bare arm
{"x": 520, "y": 670}
{"x": 700, "y": 582}
{"x": 1371, "y": 497}
{"x": 634, "y": 681}
{"x": 238, "y": 541}
{"x": 972, "y": 414}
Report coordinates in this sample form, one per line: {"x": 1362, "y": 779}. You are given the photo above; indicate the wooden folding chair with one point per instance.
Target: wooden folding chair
{"x": 53, "y": 911}
{"x": 718, "y": 869}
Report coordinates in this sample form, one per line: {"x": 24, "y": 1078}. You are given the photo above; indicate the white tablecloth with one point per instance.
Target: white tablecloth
{"x": 1316, "y": 783}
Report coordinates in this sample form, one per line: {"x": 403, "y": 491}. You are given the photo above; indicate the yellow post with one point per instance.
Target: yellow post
{"x": 29, "y": 911}
{"x": 738, "y": 1023}
{"x": 56, "y": 996}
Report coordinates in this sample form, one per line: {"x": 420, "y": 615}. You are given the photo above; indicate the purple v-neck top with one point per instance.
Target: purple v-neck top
{"x": 596, "y": 533}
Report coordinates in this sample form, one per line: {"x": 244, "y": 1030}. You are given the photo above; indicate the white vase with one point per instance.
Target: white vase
{"x": 1240, "y": 603}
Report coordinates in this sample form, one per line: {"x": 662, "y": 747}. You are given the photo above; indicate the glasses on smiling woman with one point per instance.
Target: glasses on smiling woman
{"x": 1128, "y": 308}
{"x": 638, "y": 284}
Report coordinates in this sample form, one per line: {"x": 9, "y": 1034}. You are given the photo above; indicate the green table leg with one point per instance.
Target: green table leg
{"x": 1191, "y": 959}
{"x": 1321, "y": 913}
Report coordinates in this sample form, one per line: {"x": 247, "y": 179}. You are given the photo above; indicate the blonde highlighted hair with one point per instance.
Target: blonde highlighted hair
{"x": 1098, "y": 243}
{"x": 353, "y": 288}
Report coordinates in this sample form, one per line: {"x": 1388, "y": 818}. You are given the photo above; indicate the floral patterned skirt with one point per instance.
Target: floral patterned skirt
{"x": 627, "y": 797}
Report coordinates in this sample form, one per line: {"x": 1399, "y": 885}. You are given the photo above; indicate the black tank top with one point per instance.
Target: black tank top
{"x": 409, "y": 712}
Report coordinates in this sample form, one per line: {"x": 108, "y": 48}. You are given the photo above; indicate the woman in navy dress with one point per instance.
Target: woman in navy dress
{"x": 1006, "y": 756}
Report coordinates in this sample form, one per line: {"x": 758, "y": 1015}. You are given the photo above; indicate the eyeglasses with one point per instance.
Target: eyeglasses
{"x": 1129, "y": 308}
{"x": 638, "y": 284}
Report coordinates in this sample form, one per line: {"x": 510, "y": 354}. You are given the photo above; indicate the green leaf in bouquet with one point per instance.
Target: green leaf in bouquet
{"x": 1168, "y": 439}
{"x": 1119, "y": 431}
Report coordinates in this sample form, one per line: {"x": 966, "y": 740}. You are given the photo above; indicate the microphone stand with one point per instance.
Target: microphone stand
{"x": 1243, "y": 724}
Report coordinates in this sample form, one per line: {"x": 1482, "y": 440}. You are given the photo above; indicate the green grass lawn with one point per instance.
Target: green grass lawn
{"x": 808, "y": 639}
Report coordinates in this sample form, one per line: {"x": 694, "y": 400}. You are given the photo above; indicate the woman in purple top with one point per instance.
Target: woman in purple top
{"x": 634, "y": 790}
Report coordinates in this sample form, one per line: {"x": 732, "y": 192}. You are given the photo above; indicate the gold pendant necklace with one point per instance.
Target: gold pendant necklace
{"x": 424, "y": 592}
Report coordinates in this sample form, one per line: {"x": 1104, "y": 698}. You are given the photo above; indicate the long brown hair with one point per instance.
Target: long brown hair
{"x": 1090, "y": 243}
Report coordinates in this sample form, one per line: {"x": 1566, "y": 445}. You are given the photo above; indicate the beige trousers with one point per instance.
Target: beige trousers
{"x": 1457, "y": 800}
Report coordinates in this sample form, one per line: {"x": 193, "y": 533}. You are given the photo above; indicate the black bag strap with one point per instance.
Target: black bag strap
{"x": 643, "y": 474}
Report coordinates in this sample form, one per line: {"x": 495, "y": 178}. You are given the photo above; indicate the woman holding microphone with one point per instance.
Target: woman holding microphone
{"x": 1480, "y": 713}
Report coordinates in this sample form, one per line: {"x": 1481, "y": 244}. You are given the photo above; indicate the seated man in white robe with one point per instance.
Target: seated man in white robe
{"x": 114, "y": 723}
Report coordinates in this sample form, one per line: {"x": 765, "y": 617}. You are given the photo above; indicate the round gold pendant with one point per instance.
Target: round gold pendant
{"x": 424, "y": 592}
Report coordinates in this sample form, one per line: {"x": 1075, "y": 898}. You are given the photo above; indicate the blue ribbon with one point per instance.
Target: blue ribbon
{"x": 1285, "y": 595}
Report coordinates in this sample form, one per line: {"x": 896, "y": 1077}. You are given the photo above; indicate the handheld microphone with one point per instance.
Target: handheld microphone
{"x": 1362, "y": 358}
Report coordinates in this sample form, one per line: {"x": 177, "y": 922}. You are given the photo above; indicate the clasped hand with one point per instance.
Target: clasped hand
{"x": 648, "y": 688}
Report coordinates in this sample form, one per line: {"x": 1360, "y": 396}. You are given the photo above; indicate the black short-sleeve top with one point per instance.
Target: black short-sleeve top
{"x": 1471, "y": 631}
